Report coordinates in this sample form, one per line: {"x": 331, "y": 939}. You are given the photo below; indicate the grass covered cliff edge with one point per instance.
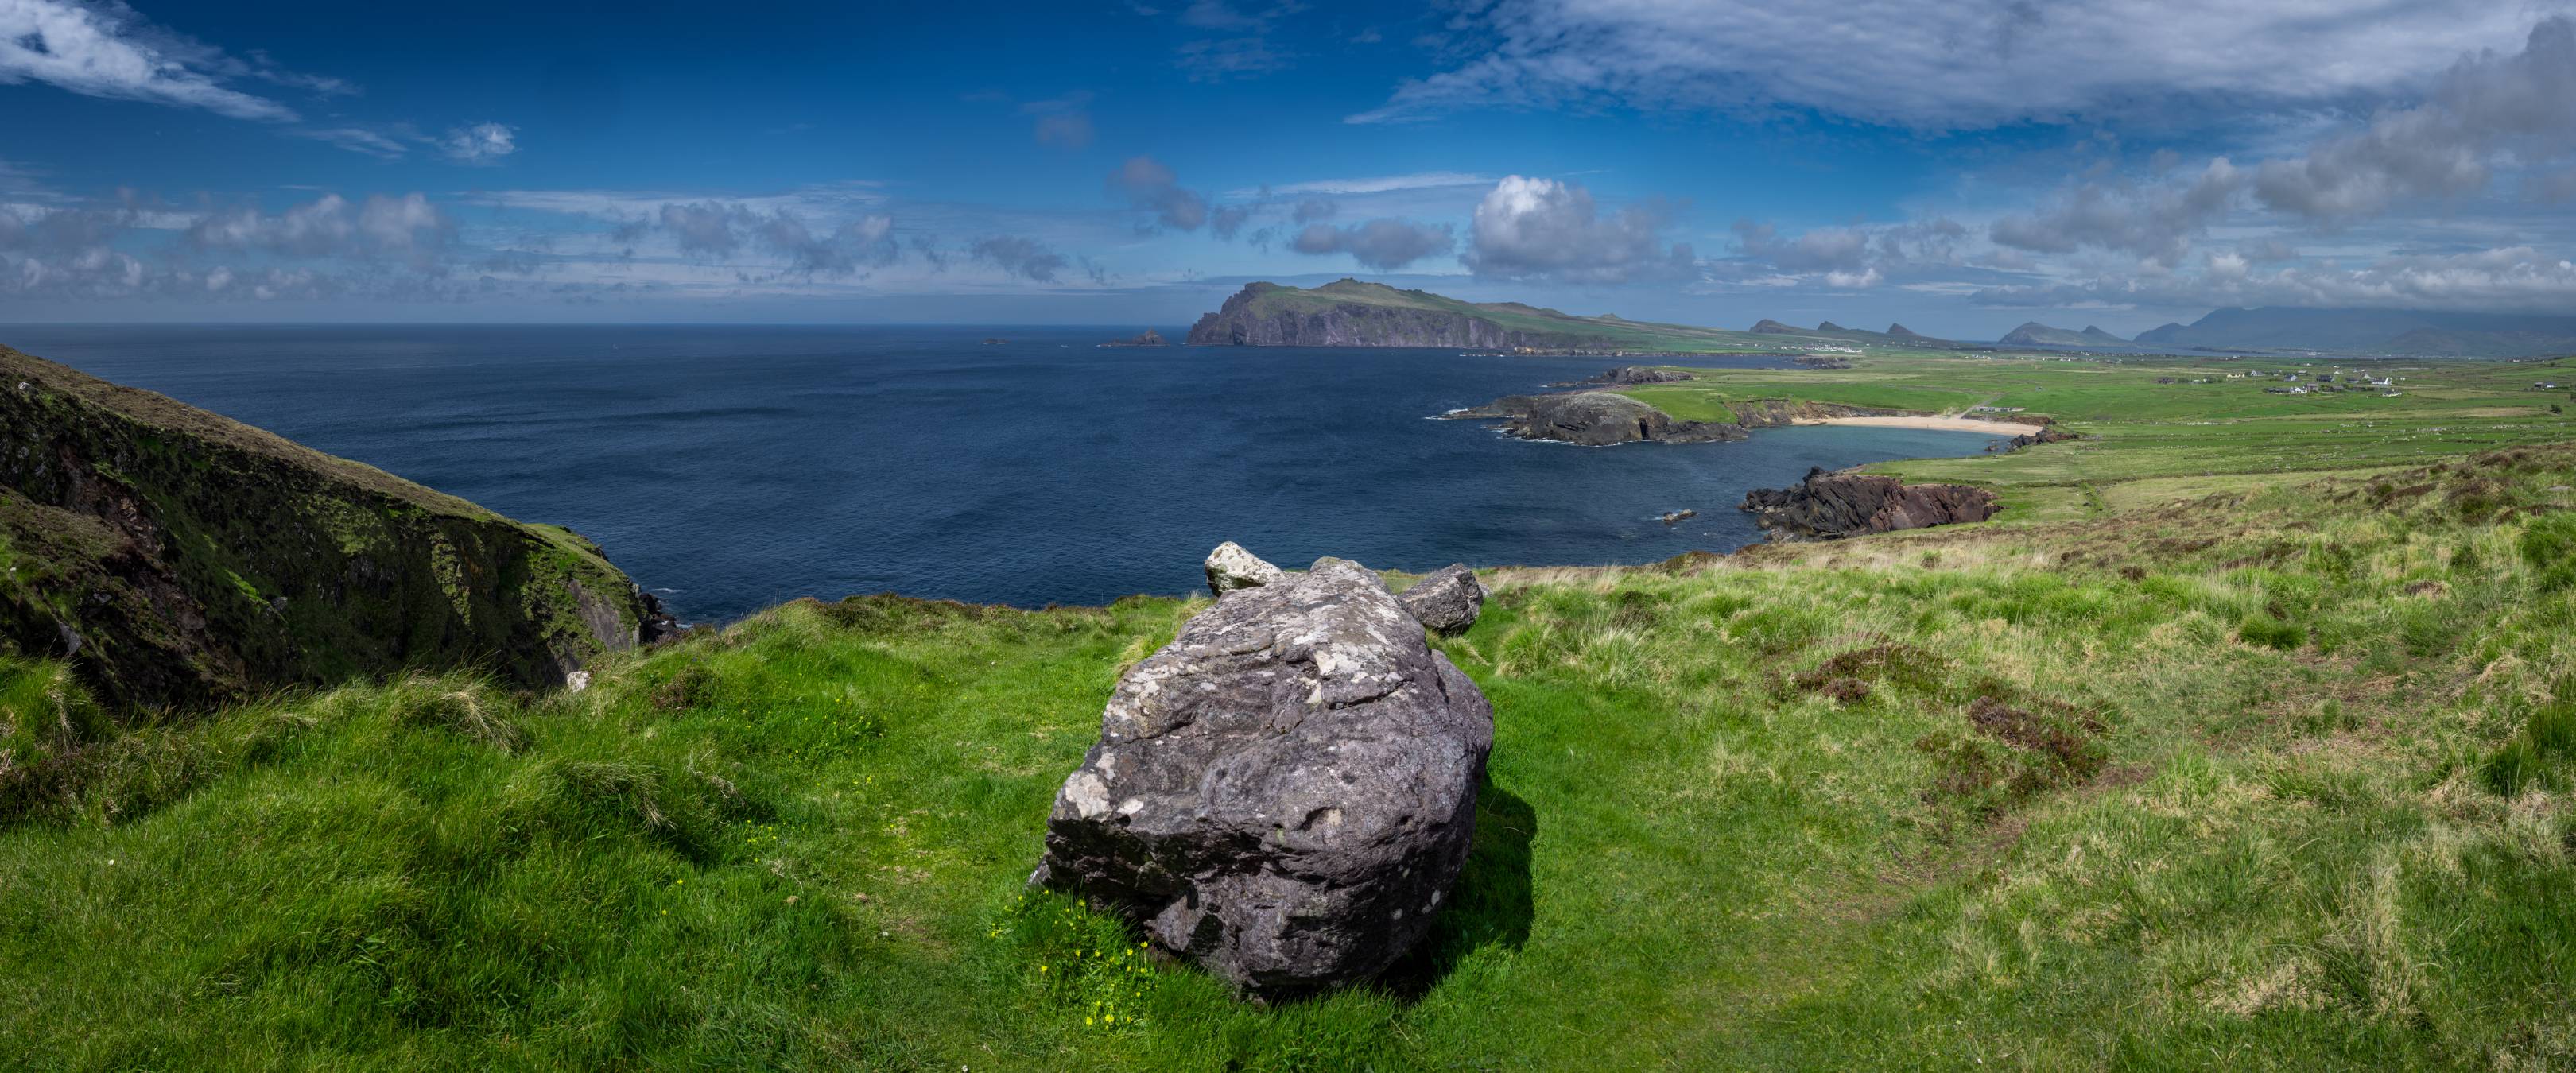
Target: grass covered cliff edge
{"x": 2281, "y": 778}
{"x": 176, "y": 559}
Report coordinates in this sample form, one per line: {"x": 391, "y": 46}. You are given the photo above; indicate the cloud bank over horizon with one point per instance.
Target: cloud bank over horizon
{"x": 1683, "y": 160}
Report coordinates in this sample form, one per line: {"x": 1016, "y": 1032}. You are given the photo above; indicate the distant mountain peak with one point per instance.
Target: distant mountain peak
{"x": 1902, "y": 332}
{"x": 1829, "y": 326}
{"x": 1767, "y": 326}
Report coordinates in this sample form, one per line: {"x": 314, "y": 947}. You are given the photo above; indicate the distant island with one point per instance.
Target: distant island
{"x": 1349, "y": 312}
{"x": 1150, "y": 337}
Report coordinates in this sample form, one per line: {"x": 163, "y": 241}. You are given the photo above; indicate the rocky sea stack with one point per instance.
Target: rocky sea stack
{"x": 1287, "y": 791}
{"x": 1831, "y": 506}
{"x": 177, "y": 559}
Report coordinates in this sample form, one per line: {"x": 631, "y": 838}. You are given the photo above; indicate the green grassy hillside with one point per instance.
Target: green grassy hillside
{"x": 2280, "y": 778}
{"x": 2210, "y": 424}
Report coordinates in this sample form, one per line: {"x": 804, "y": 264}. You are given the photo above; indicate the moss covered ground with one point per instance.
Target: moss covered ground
{"x": 2283, "y": 776}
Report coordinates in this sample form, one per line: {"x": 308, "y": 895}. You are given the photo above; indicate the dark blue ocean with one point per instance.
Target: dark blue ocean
{"x": 731, "y": 468}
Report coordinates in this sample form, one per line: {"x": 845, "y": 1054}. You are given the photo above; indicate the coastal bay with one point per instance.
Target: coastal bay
{"x": 731, "y": 469}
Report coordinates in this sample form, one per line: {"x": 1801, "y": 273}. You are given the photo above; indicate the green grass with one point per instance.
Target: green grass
{"x": 2277, "y": 779}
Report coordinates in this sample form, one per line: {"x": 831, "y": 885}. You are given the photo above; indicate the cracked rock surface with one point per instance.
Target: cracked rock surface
{"x": 1286, "y": 792}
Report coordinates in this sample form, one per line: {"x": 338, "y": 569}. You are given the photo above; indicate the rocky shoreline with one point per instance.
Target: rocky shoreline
{"x": 1830, "y": 505}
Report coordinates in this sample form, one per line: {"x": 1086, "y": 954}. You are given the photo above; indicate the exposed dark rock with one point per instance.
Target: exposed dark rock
{"x": 1629, "y": 374}
{"x": 1595, "y": 419}
{"x": 1447, "y": 600}
{"x": 1830, "y": 506}
{"x": 1677, "y": 516}
{"x": 1286, "y": 792}
{"x": 1150, "y": 337}
{"x": 2039, "y": 435}
{"x": 1822, "y": 361}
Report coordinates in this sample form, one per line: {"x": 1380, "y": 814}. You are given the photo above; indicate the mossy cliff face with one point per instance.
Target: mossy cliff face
{"x": 178, "y": 558}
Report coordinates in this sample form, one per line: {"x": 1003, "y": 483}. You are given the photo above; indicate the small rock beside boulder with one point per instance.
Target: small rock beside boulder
{"x": 1287, "y": 791}
{"x": 1230, "y": 567}
{"x": 1446, "y": 601}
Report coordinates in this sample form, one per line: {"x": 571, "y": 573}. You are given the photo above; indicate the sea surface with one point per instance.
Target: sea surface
{"x": 732, "y": 468}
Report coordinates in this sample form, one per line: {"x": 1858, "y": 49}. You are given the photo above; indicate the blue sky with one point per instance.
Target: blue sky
{"x": 1960, "y": 167}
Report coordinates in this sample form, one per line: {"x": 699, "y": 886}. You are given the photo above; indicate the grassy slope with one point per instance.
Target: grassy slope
{"x": 2265, "y": 808}
{"x": 2167, "y": 441}
{"x": 260, "y": 561}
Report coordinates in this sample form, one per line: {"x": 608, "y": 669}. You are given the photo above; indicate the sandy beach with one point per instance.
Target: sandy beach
{"x": 1945, "y": 424}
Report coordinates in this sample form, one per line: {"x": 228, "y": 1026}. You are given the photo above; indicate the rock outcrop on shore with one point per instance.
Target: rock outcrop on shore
{"x": 1286, "y": 792}
{"x": 179, "y": 559}
{"x": 1829, "y": 506}
{"x": 1594, "y": 419}
{"x": 1627, "y": 375}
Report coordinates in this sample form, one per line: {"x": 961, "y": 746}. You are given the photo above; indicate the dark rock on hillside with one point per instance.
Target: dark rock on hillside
{"x": 2040, "y": 435}
{"x": 1447, "y": 600}
{"x": 1629, "y": 374}
{"x": 1286, "y": 792}
{"x": 1150, "y": 337}
{"x": 1595, "y": 419}
{"x": 1830, "y": 506}
{"x": 179, "y": 559}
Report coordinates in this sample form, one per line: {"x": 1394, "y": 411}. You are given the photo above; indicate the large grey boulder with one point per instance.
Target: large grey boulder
{"x": 1285, "y": 792}
{"x": 1230, "y": 567}
{"x": 1446, "y": 601}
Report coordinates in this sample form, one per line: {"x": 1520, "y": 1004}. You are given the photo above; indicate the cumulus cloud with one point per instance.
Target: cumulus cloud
{"x": 1023, "y": 257}
{"x": 107, "y": 50}
{"x": 2155, "y": 221}
{"x": 1312, "y": 209}
{"x": 1149, "y": 186}
{"x": 481, "y": 143}
{"x": 1967, "y": 65}
{"x": 328, "y": 226}
{"x": 1384, "y": 244}
{"x": 719, "y": 230}
{"x": 1529, "y": 228}
{"x": 2523, "y": 103}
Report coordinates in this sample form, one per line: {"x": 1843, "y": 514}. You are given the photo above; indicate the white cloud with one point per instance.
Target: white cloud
{"x": 481, "y": 143}
{"x": 1425, "y": 180}
{"x": 106, "y": 50}
{"x": 2486, "y": 104}
{"x": 1544, "y": 229}
{"x": 2156, "y": 221}
{"x": 1966, "y": 65}
{"x": 2517, "y": 278}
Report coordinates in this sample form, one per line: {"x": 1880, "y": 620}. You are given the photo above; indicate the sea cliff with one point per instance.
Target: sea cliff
{"x": 175, "y": 557}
